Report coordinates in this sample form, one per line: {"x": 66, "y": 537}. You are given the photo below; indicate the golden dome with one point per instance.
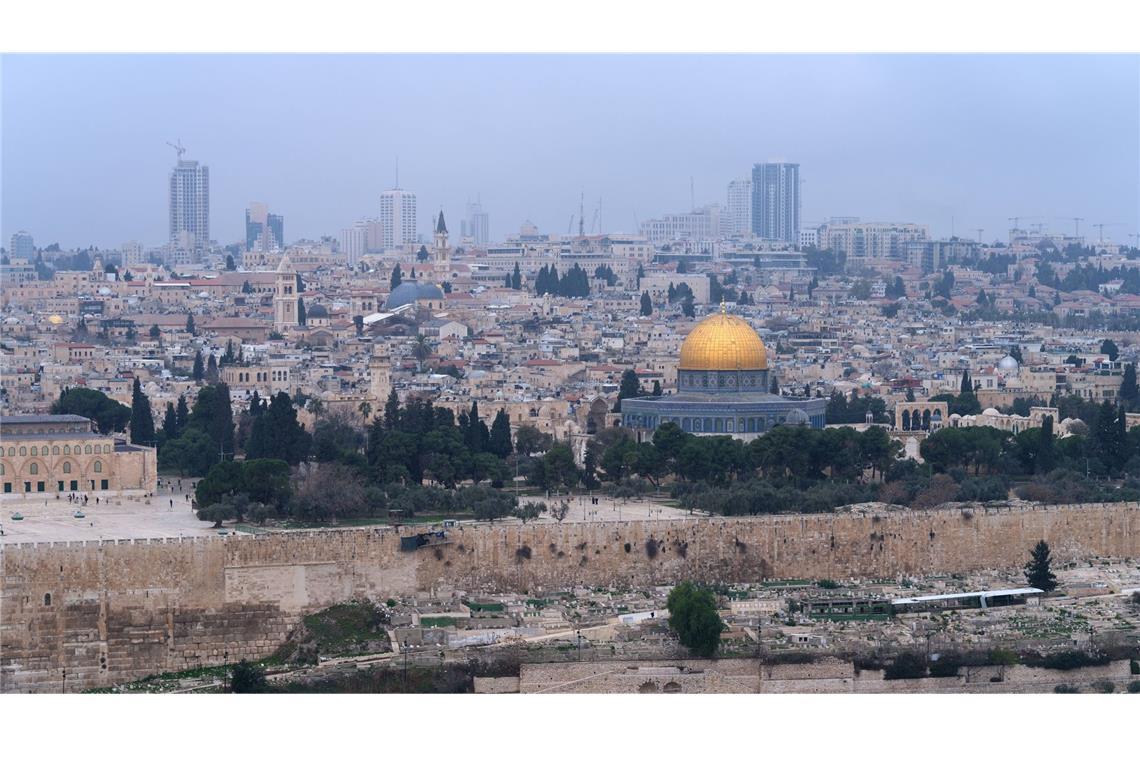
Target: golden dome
{"x": 723, "y": 342}
{"x": 55, "y": 319}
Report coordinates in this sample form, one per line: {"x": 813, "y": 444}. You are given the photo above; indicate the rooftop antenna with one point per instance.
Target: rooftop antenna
{"x": 397, "y": 173}
{"x": 177, "y": 147}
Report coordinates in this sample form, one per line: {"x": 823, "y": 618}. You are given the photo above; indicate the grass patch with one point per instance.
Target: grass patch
{"x": 484, "y": 606}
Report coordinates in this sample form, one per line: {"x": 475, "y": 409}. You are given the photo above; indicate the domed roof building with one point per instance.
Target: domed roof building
{"x": 411, "y": 292}
{"x": 724, "y": 382}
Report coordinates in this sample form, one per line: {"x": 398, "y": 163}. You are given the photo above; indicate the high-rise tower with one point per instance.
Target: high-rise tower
{"x": 398, "y": 217}
{"x": 190, "y": 205}
{"x": 776, "y": 202}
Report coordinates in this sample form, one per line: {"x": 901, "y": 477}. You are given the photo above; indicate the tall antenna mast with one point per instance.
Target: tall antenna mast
{"x": 397, "y": 173}
{"x": 582, "y": 215}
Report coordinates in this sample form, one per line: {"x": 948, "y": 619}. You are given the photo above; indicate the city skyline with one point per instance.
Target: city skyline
{"x": 954, "y": 142}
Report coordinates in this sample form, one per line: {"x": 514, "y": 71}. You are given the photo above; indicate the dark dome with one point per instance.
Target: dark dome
{"x": 410, "y": 292}
{"x": 316, "y": 310}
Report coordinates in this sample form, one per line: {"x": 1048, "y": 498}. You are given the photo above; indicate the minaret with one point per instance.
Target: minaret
{"x": 285, "y": 297}
{"x": 441, "y": 254}
{"x": 379, "y": 376}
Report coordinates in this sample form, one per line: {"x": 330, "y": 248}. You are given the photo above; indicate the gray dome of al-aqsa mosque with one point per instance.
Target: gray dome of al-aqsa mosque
{"x": 410, "y": 292}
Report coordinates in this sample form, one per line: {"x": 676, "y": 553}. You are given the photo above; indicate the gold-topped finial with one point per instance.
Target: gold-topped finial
{"x": 723, "y": 308}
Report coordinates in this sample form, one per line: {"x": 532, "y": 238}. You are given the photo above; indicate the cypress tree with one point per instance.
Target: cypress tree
{"x": 500, "y": 444}
{"x": 646, "y": 305}
{"x": 392, "y": 411}
{"x": 966, "y": 386}
{"x": 1037, "y": 571}
{"x": 1046, "y": 458}
{"x": 190, "y": 328}
{"x": 199, "y": 370}
{"x": 170, "y": 422}
{"x": 302, "y": 316}
{"x": 142, "y": 421}
{"x": 182, "y": 413}
{"x": 516, "y": 278}
{"x": 1129, "y": 392}
{"x": 211, "y": 369}
{"x": 397, "y": 277}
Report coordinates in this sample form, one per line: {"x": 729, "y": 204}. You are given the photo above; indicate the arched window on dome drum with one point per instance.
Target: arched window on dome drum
{"x": 66, "y": 449}
{"x": 34, "y": 469}
{"x": 67, "y": 467}
{"x": 55, "y": 451}
{"x": 98, "y": 467}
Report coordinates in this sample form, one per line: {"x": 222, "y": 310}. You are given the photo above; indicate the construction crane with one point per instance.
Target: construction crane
{"x": 1017, "y": 220}
{"x": 177, "y": 147}
{"x": 1076, "y": 220}
{"x": 1102, "y": 225}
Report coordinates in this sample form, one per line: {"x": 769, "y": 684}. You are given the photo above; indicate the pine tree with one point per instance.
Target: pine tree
{"x": 302, "y": 316}
{"x": 397, "y": 277}
{"x": 687, "y": 308}
{"x": 190, "y": 328}
{"x": 516, "y": 278}
{"x": 656, "y": 388}
{"x": 1037, "y": 571}
{"x": 630, "y": 387}
{"x": 1109, "y": 347}
{"x": 142, "y": 421}
{"x": 507, "y": 280}
{"x": 199, "y": 370}
{"x": 646, "y": 304}
{"x": 211, "y": 369}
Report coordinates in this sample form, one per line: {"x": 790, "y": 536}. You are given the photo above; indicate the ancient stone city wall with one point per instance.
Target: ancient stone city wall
{"x": 113, "y": 611}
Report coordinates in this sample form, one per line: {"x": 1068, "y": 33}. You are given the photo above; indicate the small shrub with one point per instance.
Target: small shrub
{"x": 828, "y": 584}
{"x": 1134, "y": 667}
{"x": 628, "y": 547}
{"x": 1134, "y": 687}
{"x": 1105, "y": 687}
{"x": 1062, "y": 688}
{"x": 906, "y": 665}
{"x": 523, "y": 552}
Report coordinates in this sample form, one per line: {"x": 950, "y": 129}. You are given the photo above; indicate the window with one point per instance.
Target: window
{"x": 11, "y": 451}
{"x": 74, "y": 485}
{"x": 55, "y": 451}
{"x": 35, "y": 451}
{"x": 7, "y": 488}
{"x": 47, "y": 600}
{"x": 27, "y": 486}
{"x": 67, "y": 468}
{"x": 60, "y": 484}
{"x": 23, "y": 451}
{"x": 98, "y": 466}
{"x": 87, "y": 449}
{"x": 34, "y": 469}
{"x": 39, "y": 486}
{"x": 103, "y": 485}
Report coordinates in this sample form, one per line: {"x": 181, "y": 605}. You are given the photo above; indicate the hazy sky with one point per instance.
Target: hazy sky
{"x": 887, "y": 138}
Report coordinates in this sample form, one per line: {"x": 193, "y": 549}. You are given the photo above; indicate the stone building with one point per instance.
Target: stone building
{"x": 56, "y": 453}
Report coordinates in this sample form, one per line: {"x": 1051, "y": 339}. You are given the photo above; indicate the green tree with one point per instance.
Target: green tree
{"x": 397, "y": 278}
{"x": 191, "y": 454}
{"x": 530, "y": 510}
{"x": 516, "y": 278}
{"x": 277, "y": 434}
{"x": 302, "y": 315}
{"x": 694, "y": 618}
{"x": 1129, "y": 392}
{"x": 1038, "y": 572}
{"x": 1108, "y": 347}
{"x": 198, "y": 373}
{"x": 109, "y": 415}
{"x": 170, "y": 423}
{"x": 248, "y": 678}
{"x": 646, "y": 304}
{"x": 142, "y": 421}
{"x": 688, "y": 309}
{"x": 630, "y": 388}
{"x": 190, "y": 328}
{"x": 1046, "y": 456}
{"x": 231, "y": 265}
{"x": 500, "y": 440}
{"x": 529, "y": 441}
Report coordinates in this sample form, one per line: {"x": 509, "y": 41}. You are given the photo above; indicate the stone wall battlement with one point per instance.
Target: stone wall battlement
{"x": 111, "y": 611}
